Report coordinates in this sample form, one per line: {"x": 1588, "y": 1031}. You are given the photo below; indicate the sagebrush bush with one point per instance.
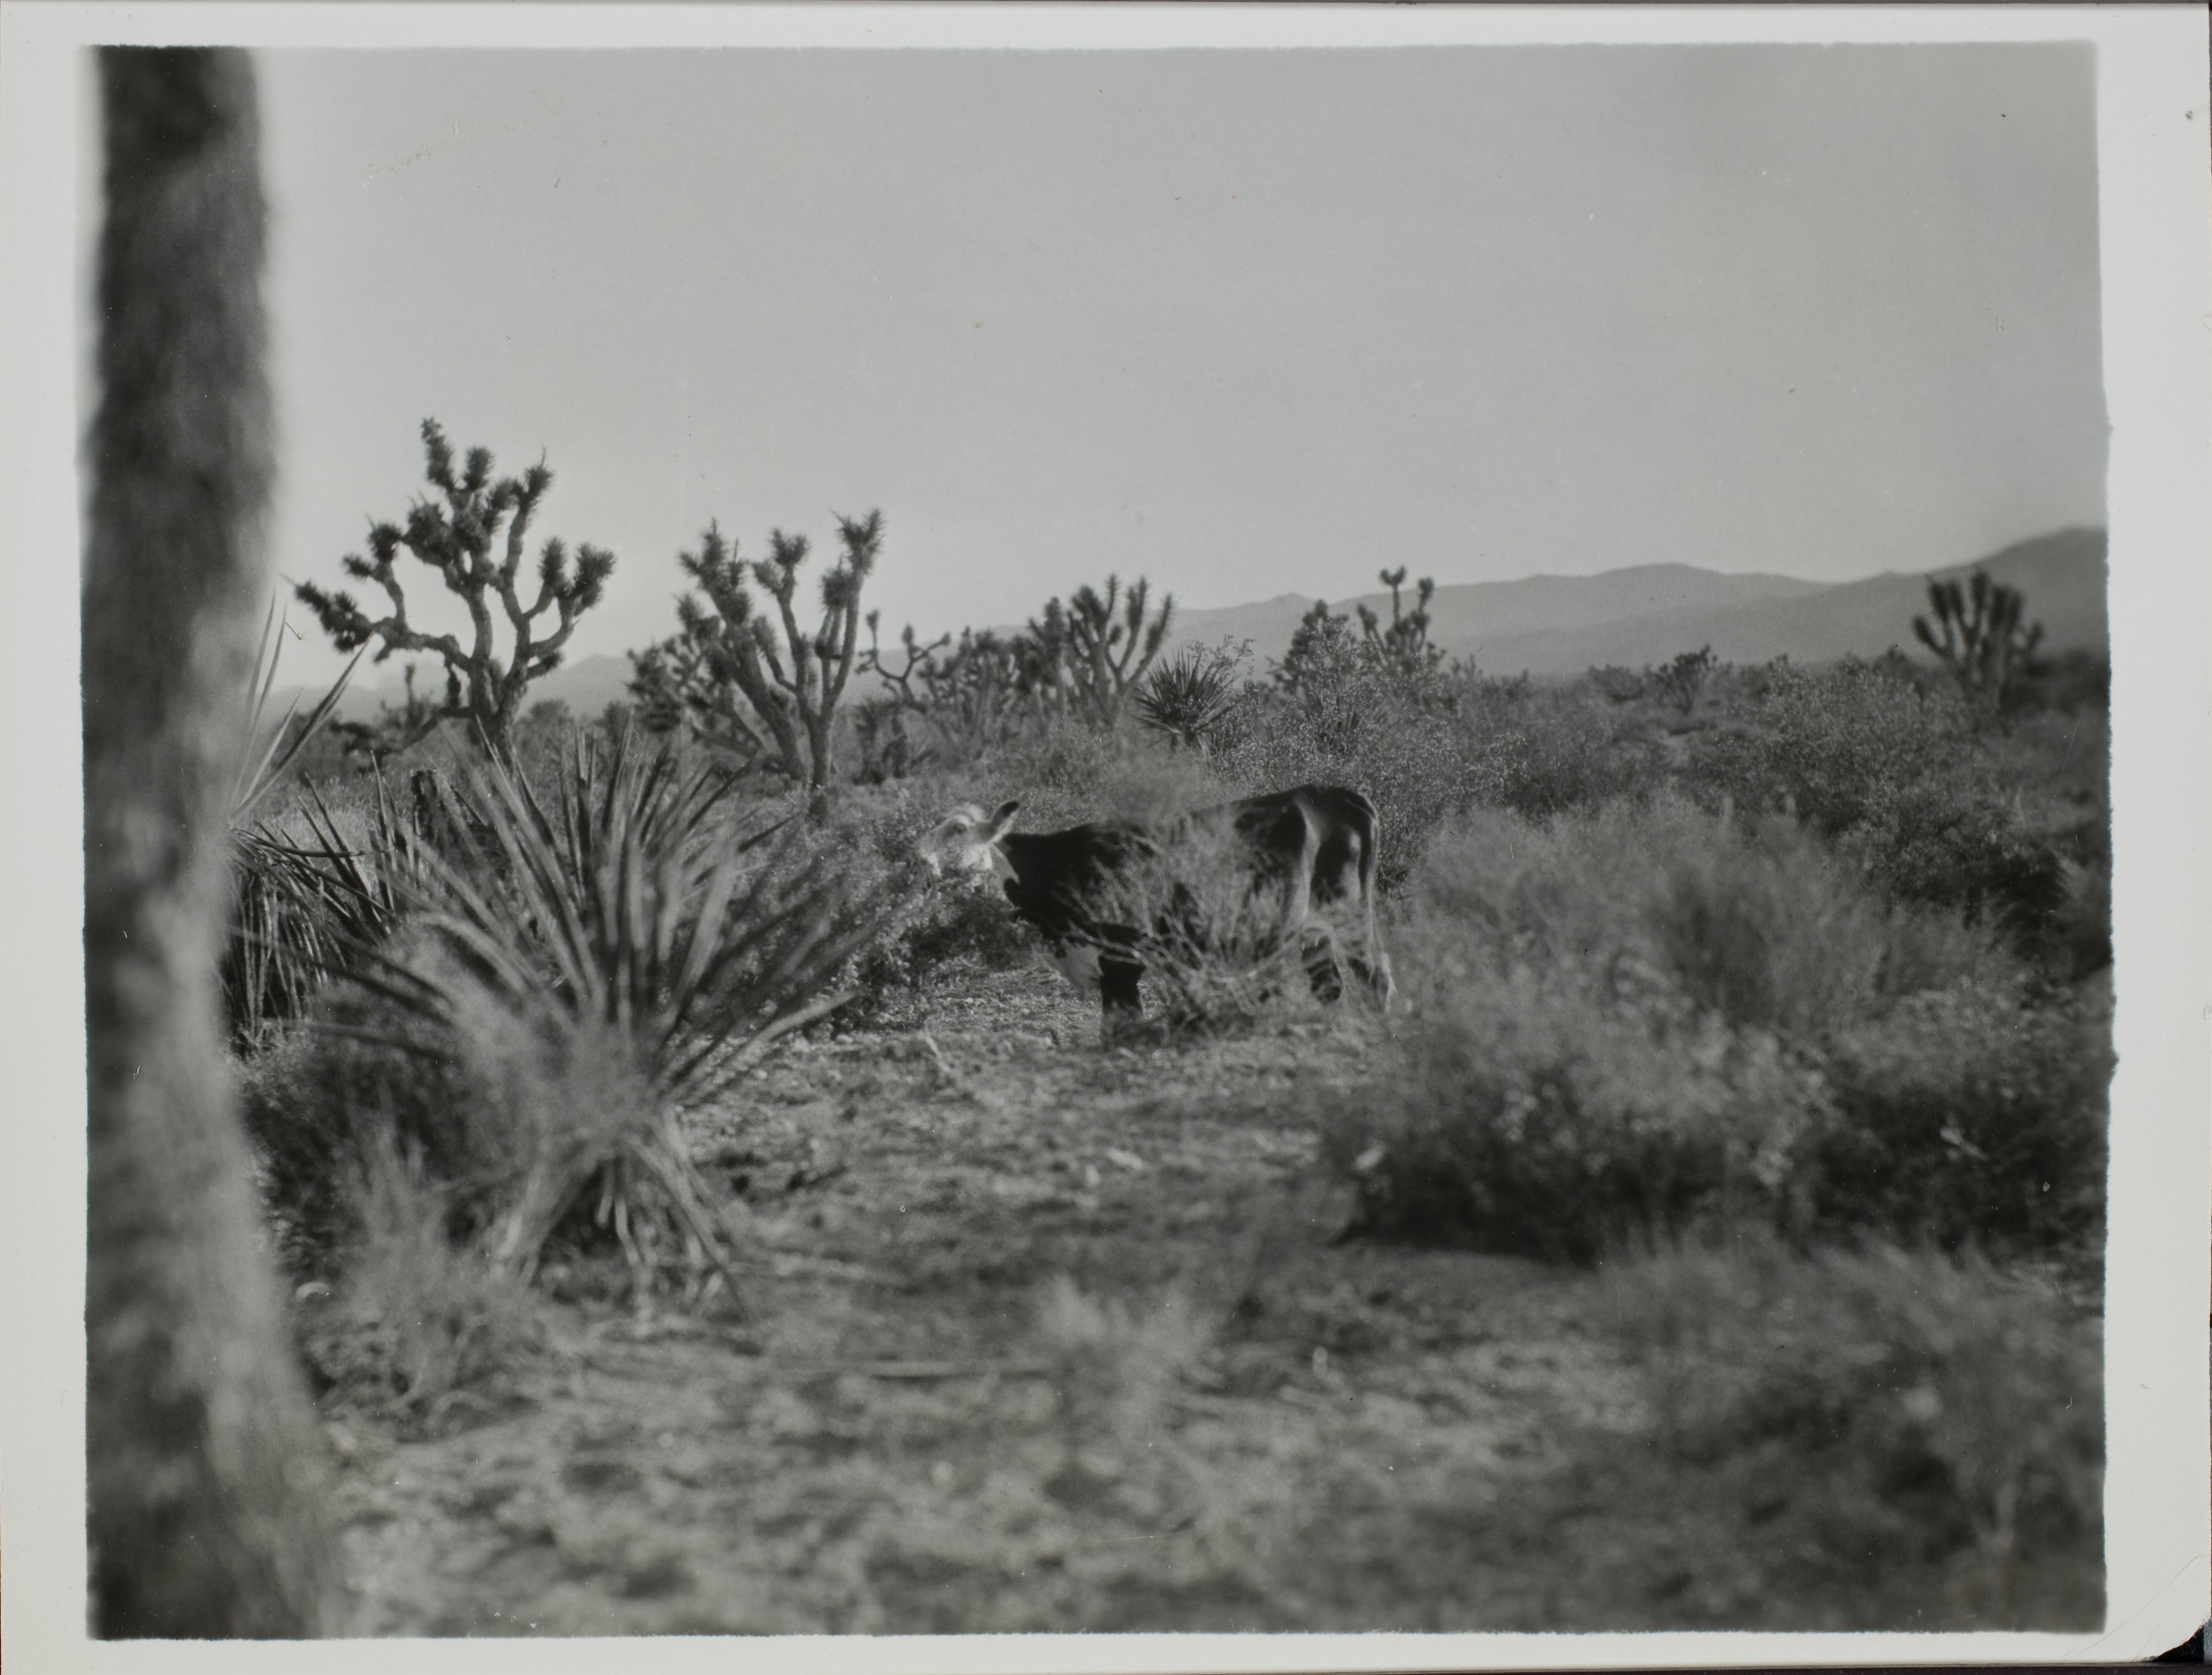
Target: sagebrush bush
{"x": 1841, "y": 744}
{"x": 1632, "y": 1021}
{"x": 1964, "y": 1119}
{"x": 1903, "y": 1426}
{"x": 1899, "y": 774}
{"x": 1554, "y": 751}
{"x": 1545, "y": 1115}
{"x": 1764, "y": 925}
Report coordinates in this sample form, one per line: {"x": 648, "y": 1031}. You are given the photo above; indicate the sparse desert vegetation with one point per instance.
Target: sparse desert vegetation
{"x": 704, "y": 1220}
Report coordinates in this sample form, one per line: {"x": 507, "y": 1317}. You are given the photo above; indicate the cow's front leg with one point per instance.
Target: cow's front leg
{"x": 1117, "y": 989}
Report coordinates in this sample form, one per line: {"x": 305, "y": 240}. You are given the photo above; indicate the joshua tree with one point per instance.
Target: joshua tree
{"x": 1403, "y": 648}
{"x": 204, "y": 1455}
{"x": 396, "y": 730}
{"x": 1978, "y": 636}
{"x": 1680, "y": 681}
{"x": 458, "y": 535}
{"x": 971, "y": 694}
{"x": 725, "y": 674}
{"x": 1087, "y": 656}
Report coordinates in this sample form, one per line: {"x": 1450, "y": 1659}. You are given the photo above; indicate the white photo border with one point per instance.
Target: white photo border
{"x": 2155, "y": 209}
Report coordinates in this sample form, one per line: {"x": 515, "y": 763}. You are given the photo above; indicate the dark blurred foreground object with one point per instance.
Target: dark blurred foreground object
{"x": 2189, "y": 1651}
{"x": 204, "y": 1456}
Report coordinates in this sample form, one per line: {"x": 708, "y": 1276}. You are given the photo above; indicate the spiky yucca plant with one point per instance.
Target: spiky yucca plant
{"x": 281, "y": 891}
{"x": 1192, "y": 698}
{"x": 602, "y": 960}
{"x": 268, "y": 755}
{"x": 301, "y": 907}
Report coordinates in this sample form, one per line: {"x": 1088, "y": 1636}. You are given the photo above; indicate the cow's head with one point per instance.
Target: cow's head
{"x": 967, "y": 841}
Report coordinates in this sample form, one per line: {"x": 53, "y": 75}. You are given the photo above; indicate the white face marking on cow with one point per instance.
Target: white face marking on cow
{"x": 966, "y": 840}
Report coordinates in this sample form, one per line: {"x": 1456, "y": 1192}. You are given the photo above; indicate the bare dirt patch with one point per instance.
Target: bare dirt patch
{"x": 1052, "y": 1336}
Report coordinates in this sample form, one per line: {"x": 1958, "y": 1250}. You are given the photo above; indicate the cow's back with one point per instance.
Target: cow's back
{"x": 1059, "y": 876}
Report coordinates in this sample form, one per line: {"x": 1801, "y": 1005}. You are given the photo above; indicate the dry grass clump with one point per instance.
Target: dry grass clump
{"x": 1114, "y": 1369}
{"x": 419, "y": 1317}
{"x": 1897, "y": 1425}
{"x": 1556, "y": 751}
{"x": 1210, "y": 929}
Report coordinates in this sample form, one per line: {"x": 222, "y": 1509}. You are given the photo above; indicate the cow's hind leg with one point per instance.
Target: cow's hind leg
{"x": 1323, "y": 961}
{"x": 1117, "y": 989}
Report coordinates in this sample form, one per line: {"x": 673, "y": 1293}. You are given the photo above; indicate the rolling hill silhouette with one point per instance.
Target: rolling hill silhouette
{"x": 1562, "y": 625}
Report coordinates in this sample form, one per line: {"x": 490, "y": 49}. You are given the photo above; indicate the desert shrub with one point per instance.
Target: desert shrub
{"x": 1771, "y": 929}
{"x": 1898, "y": 775}
{"x": 1543, "y": 1115}
{"x": 1910, "y": 1433}
{"x": 1210, "y": 938}
{"x": 1763, "y": 925}
{"x": 963, "y": 924}
{"x": 1553, "y": 749}
{"x": 1939, "y": 842}
{"x": 1841, "y": 746}
{"x": 942, "y": 925}
{"x": 1965, "y": 1120}
{"x": 323, "y": 1096}
{"x": 1648, "y": 1016}
{"x": 1064, "y": 772}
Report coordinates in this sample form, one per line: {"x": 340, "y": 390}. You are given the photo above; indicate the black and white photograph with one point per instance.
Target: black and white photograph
{"x": 1352, "y": 831}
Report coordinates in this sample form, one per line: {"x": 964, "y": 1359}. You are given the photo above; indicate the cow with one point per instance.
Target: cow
{"x": 1316, "y": 844}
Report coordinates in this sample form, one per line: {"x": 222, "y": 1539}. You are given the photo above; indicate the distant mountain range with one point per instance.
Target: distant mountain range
{"x": 1552, "y": 625}
{"x": 1562, "y": 625}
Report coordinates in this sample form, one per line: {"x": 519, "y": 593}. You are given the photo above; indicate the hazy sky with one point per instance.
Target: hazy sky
{"x": 1246, "y": 322}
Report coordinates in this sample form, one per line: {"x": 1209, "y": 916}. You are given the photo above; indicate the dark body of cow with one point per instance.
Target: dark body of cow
{"x": 1316, "y": 844}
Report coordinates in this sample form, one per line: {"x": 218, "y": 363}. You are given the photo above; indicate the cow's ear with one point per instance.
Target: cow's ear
{"x": 1001, "y": 821}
